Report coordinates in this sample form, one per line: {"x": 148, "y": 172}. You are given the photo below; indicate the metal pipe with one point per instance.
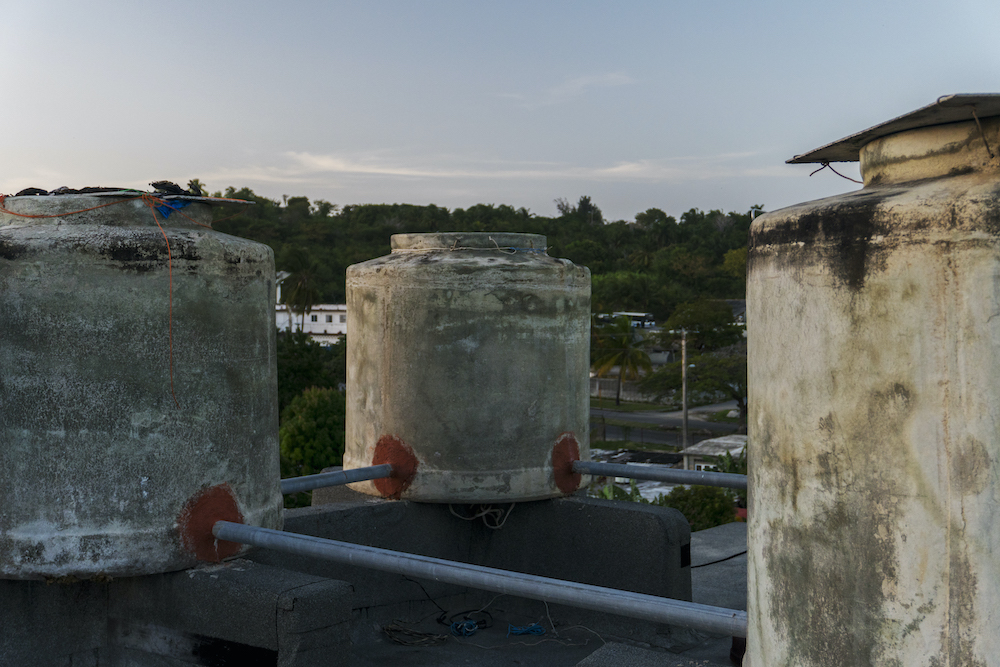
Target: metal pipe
{"x": 336, "y": 478}
{"x": 684, "y": 389}
{"x": 661, "y": 473}
{"x": 634, "y": 605}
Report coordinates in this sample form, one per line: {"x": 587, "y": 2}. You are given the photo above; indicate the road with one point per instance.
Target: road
{"x": 657, "y": 420}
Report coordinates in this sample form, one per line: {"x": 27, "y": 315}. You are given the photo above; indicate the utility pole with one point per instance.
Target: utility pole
{"x": 684, "y": 389}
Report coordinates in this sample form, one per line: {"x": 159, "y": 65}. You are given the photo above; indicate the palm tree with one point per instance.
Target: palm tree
{"x": 620, "y": 345}
{"x": 300, "y": 293}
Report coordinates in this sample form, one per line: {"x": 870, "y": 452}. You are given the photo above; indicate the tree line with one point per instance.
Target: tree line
{"x": 652, "y": 263}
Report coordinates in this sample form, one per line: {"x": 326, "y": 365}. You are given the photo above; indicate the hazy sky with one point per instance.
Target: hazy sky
{"x": 637, "y": 104}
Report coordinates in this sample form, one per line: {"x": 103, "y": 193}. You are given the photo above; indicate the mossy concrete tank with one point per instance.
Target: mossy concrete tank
{"x": 468, "y": 360}
{"x": 102, "y": 473}
{"x": 874, "y": 450}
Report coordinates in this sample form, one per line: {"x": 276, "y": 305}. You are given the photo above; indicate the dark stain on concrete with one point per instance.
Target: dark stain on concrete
{"x": 972, "y": 466}
{"x": 843, "y": 231}
{"x": 841, "y": 561}
{"x": 843, "y": 552}
{"x": 958, "y": 639}
{"x": 10, "y": 250}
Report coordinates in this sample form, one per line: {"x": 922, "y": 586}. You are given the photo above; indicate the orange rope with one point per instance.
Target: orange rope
{"x": 4, "y": 209}
{"x": 150, "y": 202}
{"x": 144, "y": 196}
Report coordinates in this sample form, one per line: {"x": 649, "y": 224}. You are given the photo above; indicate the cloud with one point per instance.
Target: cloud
{"x": 303, "y": 168}
{"x": 569, "y": 90}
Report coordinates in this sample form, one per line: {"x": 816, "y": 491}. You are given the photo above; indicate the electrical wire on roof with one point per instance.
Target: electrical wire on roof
{"x": 493, "y": 517}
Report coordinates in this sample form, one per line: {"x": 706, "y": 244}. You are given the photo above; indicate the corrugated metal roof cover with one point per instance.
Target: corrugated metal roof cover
{"x": 947, "y": 109}
{"x": 717, "y": 446}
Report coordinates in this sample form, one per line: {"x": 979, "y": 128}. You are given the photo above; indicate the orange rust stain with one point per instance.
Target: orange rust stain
{"x": 394, "y": 451}
{"x": 216, "y": 503}
{"x": 566, "y": 450}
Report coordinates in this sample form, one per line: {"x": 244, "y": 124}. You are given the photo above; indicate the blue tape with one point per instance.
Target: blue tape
{"x": 169, "y": 207}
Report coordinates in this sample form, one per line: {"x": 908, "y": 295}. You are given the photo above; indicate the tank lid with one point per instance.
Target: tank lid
{"x": 470, "y": 241}
{"x": 947, "y": 109}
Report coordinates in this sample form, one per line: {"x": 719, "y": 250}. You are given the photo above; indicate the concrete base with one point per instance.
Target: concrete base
{"x": 236, "y": 613}
{"x": 275, "y": 609}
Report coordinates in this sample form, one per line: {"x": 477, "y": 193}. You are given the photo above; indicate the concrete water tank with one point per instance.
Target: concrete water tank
{"x": 874, "y": 358}
{"x": 467, "y": 368}
{"x": 137, "y": 386}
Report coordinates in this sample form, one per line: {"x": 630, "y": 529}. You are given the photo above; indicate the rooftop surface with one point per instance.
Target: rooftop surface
{"x": 718, "y": 573}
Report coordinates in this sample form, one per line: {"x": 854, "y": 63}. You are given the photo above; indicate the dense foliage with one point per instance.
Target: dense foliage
{"x": 303, "y": 363}
{"x": 311, "y": 435}
{"x": 649, "y": 264}
{"x": 716, "y": 355}
{"x": 703, "y": 506}
{"x": 312, "y": 432}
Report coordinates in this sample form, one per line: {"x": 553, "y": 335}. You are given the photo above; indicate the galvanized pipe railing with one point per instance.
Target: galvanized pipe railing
{"x": 634, "y": 605}
{"x": 661, "y": 473}
{"x": 335, "y": 478}
{"x": 657, "y": 473}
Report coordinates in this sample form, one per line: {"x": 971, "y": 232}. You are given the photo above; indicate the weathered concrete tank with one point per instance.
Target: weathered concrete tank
{"x": 874, "y": 358}
{"x": 102, "y": 473}
{"x": 467, "y": 368}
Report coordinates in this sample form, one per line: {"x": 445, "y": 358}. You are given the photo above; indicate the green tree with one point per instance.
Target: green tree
{"x": 312, "y": 432}
{"x": 734, "y": 465}
{"x": 735, "y": 264}
{"x": 620, "y": 344}
{"x": 723, "y": 370}
{"x": 301, "y": 290}
{"x": 703, "y": 506}
{"x": 312, "y": 435}
{"x": 303, "y": 363}
{"x": 708, "y": 324}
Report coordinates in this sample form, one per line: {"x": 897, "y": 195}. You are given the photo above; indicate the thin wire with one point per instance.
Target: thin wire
{"x": 721, "y": 560}
{"x": 826, "y": 165}
{"x": 414, "y": 581}
{"x": 409, "y": 637}
{"x": 513, "y": 251}
{"x": 498, "y": 523}
{"x": 486, "y": 512}
{"x": 982, "y": 134}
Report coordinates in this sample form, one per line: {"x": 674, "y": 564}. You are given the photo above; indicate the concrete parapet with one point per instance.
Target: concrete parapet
{"x": 239, "y": 612}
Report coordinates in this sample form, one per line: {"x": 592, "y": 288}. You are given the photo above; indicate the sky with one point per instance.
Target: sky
{"x": 672, "y": 105}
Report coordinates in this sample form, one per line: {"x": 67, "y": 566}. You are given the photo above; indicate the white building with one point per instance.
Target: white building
{"x": 702, "y": 455}
{"x": 325, "y": 323}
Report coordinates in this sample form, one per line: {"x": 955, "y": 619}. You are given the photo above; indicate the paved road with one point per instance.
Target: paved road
{"x": 671, "y": 419}
{"x": 653, "y": 434}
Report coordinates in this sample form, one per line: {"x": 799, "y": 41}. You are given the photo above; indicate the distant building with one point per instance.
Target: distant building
{"x": 325, "y": 323}
{"x": 702, "y": 455}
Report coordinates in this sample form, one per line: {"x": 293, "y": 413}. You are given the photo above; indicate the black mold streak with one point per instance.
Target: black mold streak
{"x": 11, "y": 251}
{"x": 847, "y": 230}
